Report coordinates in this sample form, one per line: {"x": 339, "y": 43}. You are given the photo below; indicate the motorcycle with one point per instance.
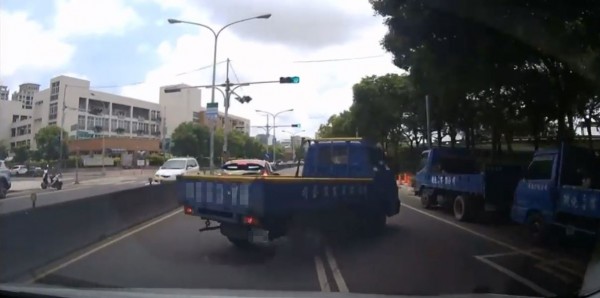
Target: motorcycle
{"x": 51, "y": 181}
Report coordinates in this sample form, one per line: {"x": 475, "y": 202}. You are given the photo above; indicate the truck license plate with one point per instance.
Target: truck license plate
{"x": 259, "y": 235}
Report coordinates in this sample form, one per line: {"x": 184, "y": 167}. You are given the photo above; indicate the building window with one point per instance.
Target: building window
{"x": 13, "y": 132}
{"x": 195, "y": 116}
{"x": 81, "y": 122}
{"x": 28, "y": 128}
{"x": 52, "y": 114}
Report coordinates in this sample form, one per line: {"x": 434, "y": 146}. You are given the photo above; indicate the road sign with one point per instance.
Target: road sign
{"x": 267, "y": 156}
{"x": 212, "y": 110}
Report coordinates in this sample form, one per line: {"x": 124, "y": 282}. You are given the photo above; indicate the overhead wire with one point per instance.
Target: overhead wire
{"x": 144, "y": 82}
{"x": 233, "y": 70}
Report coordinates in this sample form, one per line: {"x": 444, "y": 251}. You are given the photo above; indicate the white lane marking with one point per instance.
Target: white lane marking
{"x": 502, "y": 254}
{"x": 337, "y": 275}
{"x": 321, "y": 275}
{"x": 488, "y": 238}
{"x": 104, "y": 245}
{"x": 522, "y": 280}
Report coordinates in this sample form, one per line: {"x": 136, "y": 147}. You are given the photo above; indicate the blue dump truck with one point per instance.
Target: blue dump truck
{"x": 343, "y": 182}
{"x": 559, "y": 190}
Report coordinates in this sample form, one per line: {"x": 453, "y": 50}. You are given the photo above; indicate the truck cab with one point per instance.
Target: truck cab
{"x": 560, "y": 189}
{"x": 345, "y": 158}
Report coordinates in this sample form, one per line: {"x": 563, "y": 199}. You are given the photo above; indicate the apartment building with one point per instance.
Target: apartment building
{"x": 3, "y": 92}
{"x": 25, "y": 94}
{"x": 87, "y": 115}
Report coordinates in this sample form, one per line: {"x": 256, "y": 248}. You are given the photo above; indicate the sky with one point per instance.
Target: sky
{"x": 129, "y": 48}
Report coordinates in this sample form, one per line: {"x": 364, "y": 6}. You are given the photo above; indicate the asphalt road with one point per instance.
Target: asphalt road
{"x": 422, "y": 252}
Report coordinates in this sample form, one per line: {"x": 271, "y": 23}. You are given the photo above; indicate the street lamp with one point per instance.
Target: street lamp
{"x": 293, "y": 134}
{"x": 274, "y": 124}
{"x": 214, "y": 73}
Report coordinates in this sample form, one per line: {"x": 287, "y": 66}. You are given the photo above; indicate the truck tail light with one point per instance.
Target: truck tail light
{"x": 250, "y": 220}
{"x": 188, "y": 210}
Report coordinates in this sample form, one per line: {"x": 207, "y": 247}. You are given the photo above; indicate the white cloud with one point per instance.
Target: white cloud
{"x": 324, "y": 89}
{"x": 30, "y": 47}
{"x": 92, "y": 17}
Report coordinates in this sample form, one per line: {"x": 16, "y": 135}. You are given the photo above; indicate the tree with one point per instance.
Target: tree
{"x": 21, "y": 154}
{"x": 48, "y": 142}
{"x": 191, "y": 139}
{"x": 341, "y": 125}
{"x": 3, "y": 151}
{"x": 479, "y": 60}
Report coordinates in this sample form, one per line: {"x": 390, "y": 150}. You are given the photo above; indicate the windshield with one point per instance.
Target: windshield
{"x": 174, "y": 164}
{"x": 385, "y": 147}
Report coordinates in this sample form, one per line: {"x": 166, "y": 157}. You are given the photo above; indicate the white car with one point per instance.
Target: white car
{"x": 175, "y": 167}
{"x": 18, "y": 170}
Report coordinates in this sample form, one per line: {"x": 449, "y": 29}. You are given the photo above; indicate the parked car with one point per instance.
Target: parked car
{"x": 18, "y": 170}
{"x": 36, "y": 171}
{"x": 175, "y": 167}
{"x": 5, "y": 182}
{"x": 248, "y": 167}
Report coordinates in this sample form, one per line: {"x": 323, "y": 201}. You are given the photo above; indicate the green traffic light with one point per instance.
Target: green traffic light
{"x": 289, "y": 80}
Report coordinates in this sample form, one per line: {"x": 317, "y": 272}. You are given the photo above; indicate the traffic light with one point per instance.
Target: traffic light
{"x": 244, "y": 99}
{"x": 289, "y": 80}
{"x": 296, "y": 125}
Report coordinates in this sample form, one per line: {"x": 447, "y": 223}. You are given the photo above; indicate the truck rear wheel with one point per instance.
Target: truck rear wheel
{"x": 464, "y": 208}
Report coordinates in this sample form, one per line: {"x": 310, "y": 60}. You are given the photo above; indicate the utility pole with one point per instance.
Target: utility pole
{"x": 428, "y": 127}
{"x": 268, "y": 135}
{"x": 226, "y": 124}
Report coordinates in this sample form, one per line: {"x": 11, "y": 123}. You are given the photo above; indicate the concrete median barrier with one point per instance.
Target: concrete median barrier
{"x": 36, "y": 237}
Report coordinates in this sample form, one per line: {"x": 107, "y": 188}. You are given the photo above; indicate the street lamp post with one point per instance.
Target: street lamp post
{"x": 274, "y": 125}
{"x": 214, "y": 70}
{"x": 292, "y": 135}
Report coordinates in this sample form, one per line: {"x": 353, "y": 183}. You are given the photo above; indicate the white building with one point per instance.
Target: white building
{"x": 4, "y": 92}
{"x": 25, "y": 94}
{"x": 178, "y": 107}
{"x": 186, "y": 102}
{"x": 15, "y": 124}
{"x": 86, "y": 113}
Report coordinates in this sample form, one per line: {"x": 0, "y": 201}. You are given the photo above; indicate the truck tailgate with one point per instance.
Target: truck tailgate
{"x": 229, "y": 198}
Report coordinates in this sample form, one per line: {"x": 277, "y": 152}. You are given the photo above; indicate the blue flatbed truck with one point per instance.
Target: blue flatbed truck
{"x": 343, "y": 181}
{"x": 559, "y": 189}
{"x": 452, "y": 179}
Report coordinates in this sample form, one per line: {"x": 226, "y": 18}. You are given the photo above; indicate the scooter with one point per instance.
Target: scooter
{"x": 51, "y": 181}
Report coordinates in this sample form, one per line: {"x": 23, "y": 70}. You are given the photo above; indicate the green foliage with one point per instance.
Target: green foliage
{"x": 3, "y": 151}
{"x": 21, "y": 154}
{"x": 491, "y": 73}
{"x": 193, "y": 139}
{"x": 48, "y": 142}
{"x": 156, "y": 160}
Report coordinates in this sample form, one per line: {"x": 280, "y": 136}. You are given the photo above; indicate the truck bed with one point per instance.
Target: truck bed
{"x": 227, "y": 199}
{"x": 496, "y": 184}
{"x": 580, "y": 201}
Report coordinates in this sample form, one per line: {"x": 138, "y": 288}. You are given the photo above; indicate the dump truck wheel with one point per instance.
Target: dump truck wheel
{"x": 463, "y": 208}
